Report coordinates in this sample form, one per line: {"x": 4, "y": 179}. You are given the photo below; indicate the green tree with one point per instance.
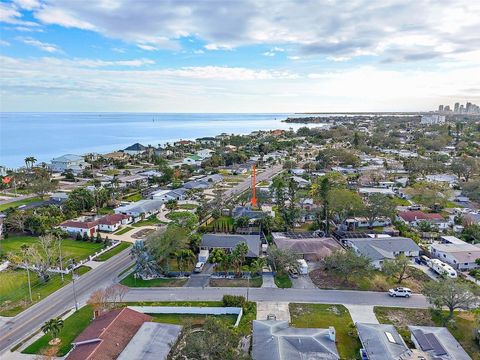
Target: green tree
{"x": 185, "y": 259}
{"x": 378, "y": 205}
{"x": 347, "y": 264}
{"x": 164, "y": 243}
{"x": 450, "y": 293}
{"x": 282, "y": 260}
{"x": 80, "y": 200}
{"x": 52, "y": 327}
{"x": 257, "y": 265}
{"x": 217, "y": 256}
{"x": 344, "y": 203}
{"x": 239, "y": 254}
{"x": 397, "y": 268}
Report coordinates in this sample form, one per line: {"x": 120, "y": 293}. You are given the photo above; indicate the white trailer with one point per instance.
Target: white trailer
{"x": 442, "y": 269}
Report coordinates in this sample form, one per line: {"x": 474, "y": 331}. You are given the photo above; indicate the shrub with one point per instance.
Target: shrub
{"x": 234, "y": 301}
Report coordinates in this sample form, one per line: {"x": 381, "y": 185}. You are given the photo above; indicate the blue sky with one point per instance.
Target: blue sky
{"x": 238, "y": 56}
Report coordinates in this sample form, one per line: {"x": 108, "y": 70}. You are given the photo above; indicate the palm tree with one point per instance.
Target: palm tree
{"x": 185, "y": 257}
{"x": 238, "y": 256}
{"x": 29, "y": 161}
{"x": 257, "y": 265}
{"x": 53, "y": 327}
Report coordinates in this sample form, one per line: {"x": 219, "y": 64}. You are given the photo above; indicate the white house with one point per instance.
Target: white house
{"x": 457, "y": 253}
{"x": 141, "y": 209}
{"x": 112, "y": 222}
{"x": 66, "y": 162}
{"x": 205, "y": 153}
{"x": 82, "y": 227}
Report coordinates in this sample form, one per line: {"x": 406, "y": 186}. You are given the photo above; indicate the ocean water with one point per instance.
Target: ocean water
{"x": 48, "y": 135}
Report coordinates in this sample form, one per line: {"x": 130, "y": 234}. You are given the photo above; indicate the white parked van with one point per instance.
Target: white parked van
{"x": 302, "y": 267}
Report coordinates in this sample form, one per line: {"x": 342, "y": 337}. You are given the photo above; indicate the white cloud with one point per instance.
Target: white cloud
{"x": 10, "y": 14}
{"x": 4, "y": 43}
{"x": 51, "y": 48}
{"x": 218, "y": 47}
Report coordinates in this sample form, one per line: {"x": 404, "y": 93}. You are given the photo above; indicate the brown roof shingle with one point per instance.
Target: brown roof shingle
{"x": 112, "y": 330}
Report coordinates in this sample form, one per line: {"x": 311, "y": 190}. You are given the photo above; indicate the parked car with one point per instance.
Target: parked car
{"x": 424, "y": 260}
{"x": 199, "y": 267}
{"x": 400, "y": 291}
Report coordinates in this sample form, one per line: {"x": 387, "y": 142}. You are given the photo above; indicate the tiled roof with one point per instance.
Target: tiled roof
{"x": 108, "y": 335}
{"x": 410, "y": 216}
{"x": 112, "y": 219}
{"x": 79, "y": 224}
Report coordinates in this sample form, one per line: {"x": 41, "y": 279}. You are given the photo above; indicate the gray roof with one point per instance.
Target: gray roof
{"x": 153, "y": 341}
{"x": 381, "y": 248}
{"x": 142, "y": 206}
{"x": 378, "y": 344}
{"x": 68, "y": 158}
{"x": 240, "y": 211}
{"x": 275, "y": 340}
{"x": 229, "y": 241}
{"x": 438, "y": 342}
{"x": 136, "y": 147}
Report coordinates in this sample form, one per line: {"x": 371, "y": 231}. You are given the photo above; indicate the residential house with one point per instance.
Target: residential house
{"x": 229, "y": 241}
{"x": 116, "y": 155}
{"x": 301, "y": 182}
{"x": 457, "y": 253}
{"x": 59, "y": 197}
{"x": 276, "y": 340}
{"x": 193, "y": 160}
{"x": 382, "y": 342}
{"x": 150, "y": 174}
{"x": 367, "y": 191}
{"x": 153, "y": 341}
{"x": 79, "y": 226}
{"x": 129, "y": 181}
{"x": 308, "y": 245}
{"x": 361, "y": 223}
{"x": 246, "y": 211}
{"x": 205, "y": 153}
{"x": 379, "y": 249}
{"x": 140, "y": 209}
{"x": 72, "y": 162}
{"x": 415, "y": 217}
{"x": 448, "y": 179}
{"x": 112, "y": 222}
{"x": 108, "y": 335}
{"x": 298, "y": 172}
{"x": 135, "y": 149}
{"x": 209, "y": 141}
{"x": 166, "y": 195}
{"x": 437, "y": 342}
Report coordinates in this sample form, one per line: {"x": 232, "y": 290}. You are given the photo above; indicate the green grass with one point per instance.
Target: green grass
{"x": 14, "y": 295}
{"x": 150, "y": 221}
{"x": 400, "y": 202}
{"x": 254, "y": 282}
{"x": 72, "y": 327}
{"x": 283, "y": 281}
{"x": 187, "y": 206}
{"x": 180, "y": 319}
{"x": 323, "y": 316}
{"x": 116, "y": 250}
{"x": 123, "y": 230}
{"x": 462, "y": 328}
{"x": 18, "y": 203}
{"x": 105, "y": 211}
{"x": 130, "y": 281}
{"x": 134, "y": 197}
{"x": 77, "y": 250}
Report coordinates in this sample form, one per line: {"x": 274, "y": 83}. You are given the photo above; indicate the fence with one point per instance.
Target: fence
{"x": 190, "y": 310}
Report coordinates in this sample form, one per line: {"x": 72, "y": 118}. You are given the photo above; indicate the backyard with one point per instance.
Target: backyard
{"x": 324, "y": 315}
{"x": 462, "y": 328}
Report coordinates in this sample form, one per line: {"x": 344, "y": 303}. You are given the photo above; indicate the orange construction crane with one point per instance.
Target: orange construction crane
{"x": 254, "y": 186}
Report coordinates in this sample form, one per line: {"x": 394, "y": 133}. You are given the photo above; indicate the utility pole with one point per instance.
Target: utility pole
{"x": 29, "y": 283}
{"x": 73, "y": 283}
{"x": 60, "y": 257}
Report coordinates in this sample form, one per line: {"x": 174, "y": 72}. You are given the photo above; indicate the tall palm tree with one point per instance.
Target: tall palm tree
{"x": 29, "y": 161}
{"x": 185, "y": 257}
{"x": 53, "y": 327}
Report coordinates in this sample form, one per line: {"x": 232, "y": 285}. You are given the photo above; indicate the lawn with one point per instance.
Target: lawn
{"x": 222, "y": 224}
{"x": 130, "y": 281}
{"x": 254, "y": 282}
{"x": 376, "y": 281}
{"x": 150, "y": 221}
{"x": 283, "y": 281}
{"x": 462, "y": 329}
{"x": 400, "y": 202}
{"x": 325, "y": 315}
{"x": 18, "y": 203}
{"x": 123, "y": 230}
{"x": 187, "y": 206}
{"x": 72, "y": 327}
{"x": 77, "y": 250}
{"x": 134, "y": 197}
{"x": 14, "y": 295}
{"x": 116, "y": 250}
{"x": 199, "y": 319}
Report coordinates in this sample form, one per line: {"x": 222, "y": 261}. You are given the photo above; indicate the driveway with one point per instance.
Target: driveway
{"x": 431, "y": 274}
{"x": 198, "y": 280}
{"x": 362, "y": 313}
{"x": 268, "y": 280}
{"x": 279, "y": 309}
{"x": 303, "y": 282}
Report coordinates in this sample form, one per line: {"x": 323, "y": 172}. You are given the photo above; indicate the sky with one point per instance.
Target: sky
{"x": 238, "y": 56}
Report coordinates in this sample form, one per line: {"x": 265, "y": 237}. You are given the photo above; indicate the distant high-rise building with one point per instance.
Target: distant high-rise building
{"x": 440, "y": 107}
{"x": 432, "y": 119}
{"x": 462, "y": 109}
{"x": 456, "y": 107}
{"x": 446, "y": 108}
{"x": 468, "y": 107}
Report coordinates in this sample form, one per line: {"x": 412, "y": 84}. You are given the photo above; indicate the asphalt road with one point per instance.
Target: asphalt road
{"x": 267, "y": 174}
{"x": 15, "y": 329}
{"x": 274, "y": 294}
